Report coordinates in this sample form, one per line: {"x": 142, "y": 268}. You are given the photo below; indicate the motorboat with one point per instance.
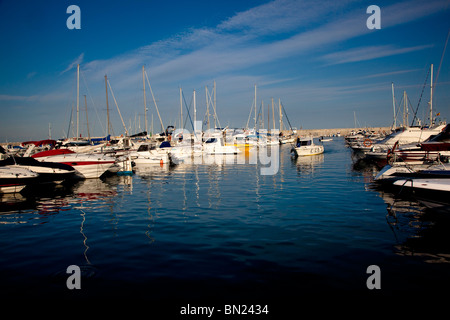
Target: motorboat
{"x": 435, "y": 148}
{"x": 14, "y": 179}
{"x": 402, "y": 170}
{"x": 401, "y": 137}
{"x": 216, "y": 145}
{"x": 48, "y": 171}
{"x": 87, "y": 165}
{"x": 147, "y": 153}
{"x": 242, "y": 140}
{"x": 307, "y": 147}
{"x": 431, "y": 192}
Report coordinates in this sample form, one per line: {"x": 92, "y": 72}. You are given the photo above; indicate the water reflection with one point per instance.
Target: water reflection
{"x": 307, "y": 165}
{"x": 419, "y": 231}
{"x": 45, "y": 200}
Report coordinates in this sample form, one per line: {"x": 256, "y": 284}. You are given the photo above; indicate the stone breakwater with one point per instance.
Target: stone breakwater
{"x": 341, "y": 131}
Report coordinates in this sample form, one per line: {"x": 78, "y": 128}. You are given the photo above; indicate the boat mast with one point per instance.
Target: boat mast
{"x": 431, "y": 97}
{"x": 405, "y": 109}
{"x": 154, "y": 101}
{"x": 181, "y": 110}
{"x": 281, "y": 115}
{"x": 273, "y": 115}
{"x": 255, "y": 108}
{"x": 393, "y": 106}
{"x": 87, "y": 119}
{"x": 262, "y": 113}
{"x": 195, "y": 118}
{"x": 78, "y": 97}
{"x": 145, "y": 101}
{"x": 207, "y": 106}
{"x": 107, "y": 105}
{"x": 215, "y": 114}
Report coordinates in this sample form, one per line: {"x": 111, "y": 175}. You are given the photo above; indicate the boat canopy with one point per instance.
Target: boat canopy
{"x": 165, "y": 144}
{"x": 40, "y": 142}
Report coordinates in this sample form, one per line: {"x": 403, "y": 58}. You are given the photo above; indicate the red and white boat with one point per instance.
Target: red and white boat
{"x": 87, "y": 165}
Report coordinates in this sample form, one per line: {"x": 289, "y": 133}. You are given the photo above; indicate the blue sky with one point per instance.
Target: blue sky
{"x": 318, "y": 57}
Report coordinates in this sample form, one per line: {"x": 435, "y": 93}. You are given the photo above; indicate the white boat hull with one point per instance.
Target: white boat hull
{"x": 88, "y": 166}
{"x": 309, "y": 150}
{"x": 13, "y": 180}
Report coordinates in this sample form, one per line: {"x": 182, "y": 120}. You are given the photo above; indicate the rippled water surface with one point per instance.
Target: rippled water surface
{"x": 222, "y": 232}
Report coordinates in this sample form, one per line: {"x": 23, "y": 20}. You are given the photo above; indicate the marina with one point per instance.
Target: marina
{"x": 269, "y": 159}
{"x": 200, "y": 216}
{"x": 207, "y": 231}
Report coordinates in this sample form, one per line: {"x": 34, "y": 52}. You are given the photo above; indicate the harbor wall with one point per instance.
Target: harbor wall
{"x": 335, "y": 131}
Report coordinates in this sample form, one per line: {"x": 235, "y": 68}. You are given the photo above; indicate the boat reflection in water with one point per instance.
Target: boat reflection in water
{"x": 420, "y": 231}
{"x": 42, "y": 201}
{"x": 308, "y": 165}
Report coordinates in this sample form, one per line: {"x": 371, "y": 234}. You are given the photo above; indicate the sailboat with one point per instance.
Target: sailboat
{"x": 407, "y": 137}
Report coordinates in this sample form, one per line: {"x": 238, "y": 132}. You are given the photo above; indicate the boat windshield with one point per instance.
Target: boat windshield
{"x": 211, "y": 140}
{"x": 145, "y": 147}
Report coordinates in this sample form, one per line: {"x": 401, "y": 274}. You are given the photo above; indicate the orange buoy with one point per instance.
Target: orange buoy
{"x": 367, "y": 143}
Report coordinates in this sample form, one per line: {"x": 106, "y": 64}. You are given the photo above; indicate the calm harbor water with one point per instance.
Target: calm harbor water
{"x": 223, "y": 233}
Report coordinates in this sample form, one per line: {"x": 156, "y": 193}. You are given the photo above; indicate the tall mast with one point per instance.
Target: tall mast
{"x": 262, "y": 113}
{"x": 145, "y": 100}
{"x": 405, "y": 109}
{"x": 273, "y": 115}
{"x": 393, "y": 106}
{"x": 107, "y": 105}
{"x": 281, "y": 115}
{"x": 431, "y": 97}
{"x": 207, "y": 106}
{"x": 181, "y": 110}
{"x": 255, "y": 108}
{"x": 195, "y": 118}
{"x": 215, "y": 114}
{"x": 87, "y": 119}
{"x": 78, "y": 97}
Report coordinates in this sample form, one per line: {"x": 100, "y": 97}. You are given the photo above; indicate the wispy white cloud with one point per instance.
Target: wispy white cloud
{"x": 410, "y": 10}
{"x": 74, "y": 63}
{"x": 368, "y": 53}
{"x": 235, "y": 44}
{"x": 5, "y": 97}
{"x": 389, "y": 74}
